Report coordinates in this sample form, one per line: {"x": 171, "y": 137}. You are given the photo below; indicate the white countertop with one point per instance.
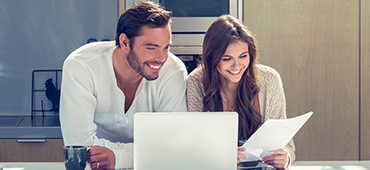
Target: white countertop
{"x": 36, "y": 166}
{"x": 32, "y": 165}
{"x": 331, "y": 165}
{"x": 298, "y": 165}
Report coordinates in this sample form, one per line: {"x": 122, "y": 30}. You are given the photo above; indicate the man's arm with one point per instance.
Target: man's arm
{"x": 77, "y": 108}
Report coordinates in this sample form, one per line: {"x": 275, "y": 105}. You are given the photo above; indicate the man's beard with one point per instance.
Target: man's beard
{"x": 135, "y": 64}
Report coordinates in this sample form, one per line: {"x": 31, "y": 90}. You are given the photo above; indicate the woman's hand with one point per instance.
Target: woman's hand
{"x": 100, "y": 158}
{"x": 279, "y": 158}
{"x": 240, "y": 155}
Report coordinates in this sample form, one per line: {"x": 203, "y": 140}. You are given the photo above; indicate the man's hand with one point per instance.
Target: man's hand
{"x": 278, "y": 158}
{"x": 100, "y": 158}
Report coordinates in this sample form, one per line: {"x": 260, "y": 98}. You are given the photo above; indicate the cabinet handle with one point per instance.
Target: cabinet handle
{"x": 31, "y": 140}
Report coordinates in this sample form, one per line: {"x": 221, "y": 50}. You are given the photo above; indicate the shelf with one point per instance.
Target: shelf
{"x": 44, "y": 75}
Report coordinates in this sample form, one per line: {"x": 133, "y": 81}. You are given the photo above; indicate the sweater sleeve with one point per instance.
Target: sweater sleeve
{"x": 282, "y": 110}
{"x": 275, "y": 102}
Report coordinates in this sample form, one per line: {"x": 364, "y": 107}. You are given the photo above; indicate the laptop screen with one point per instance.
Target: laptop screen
{"x": 187, "y": 140}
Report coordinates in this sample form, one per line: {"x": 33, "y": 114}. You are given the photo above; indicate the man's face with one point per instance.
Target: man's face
{"x": 150, "y": 51}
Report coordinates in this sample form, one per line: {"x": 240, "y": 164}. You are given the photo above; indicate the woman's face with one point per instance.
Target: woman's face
{"x": 234, "y": 62}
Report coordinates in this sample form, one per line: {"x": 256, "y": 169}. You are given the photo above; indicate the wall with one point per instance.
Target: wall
{"x": 39, "y": 34}
{"x": 314, "y": 45}
{"x": 365, "y": 80}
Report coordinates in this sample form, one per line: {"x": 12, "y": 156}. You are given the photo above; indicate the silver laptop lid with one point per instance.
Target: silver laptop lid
{"x": 188, "y": 141}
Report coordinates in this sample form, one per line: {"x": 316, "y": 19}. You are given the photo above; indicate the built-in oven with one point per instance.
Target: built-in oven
{"x": 190, "y": 21}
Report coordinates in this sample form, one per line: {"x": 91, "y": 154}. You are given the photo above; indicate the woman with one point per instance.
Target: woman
{"x": 229, "y": 79}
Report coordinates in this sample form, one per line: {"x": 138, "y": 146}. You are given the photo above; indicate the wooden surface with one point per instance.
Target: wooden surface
{"x": 314, "y": 45}
{"x": 121, "y": 7}
{"x": 365, "y": 80}
{"x": 48, "y": 151}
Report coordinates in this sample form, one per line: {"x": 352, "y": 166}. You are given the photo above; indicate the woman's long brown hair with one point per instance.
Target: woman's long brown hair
{"x": 222, "y": 32}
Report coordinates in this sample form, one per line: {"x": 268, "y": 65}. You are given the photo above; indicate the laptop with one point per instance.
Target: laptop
{"x": 185, "y": 140}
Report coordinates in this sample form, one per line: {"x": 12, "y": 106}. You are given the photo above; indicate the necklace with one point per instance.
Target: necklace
{"x": 231, "y": 108}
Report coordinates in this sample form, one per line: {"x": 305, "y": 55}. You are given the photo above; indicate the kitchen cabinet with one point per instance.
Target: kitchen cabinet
{"x": 321, "y": 50}
{"x": 37, "y": 139}
{"x": 31, "y": 150}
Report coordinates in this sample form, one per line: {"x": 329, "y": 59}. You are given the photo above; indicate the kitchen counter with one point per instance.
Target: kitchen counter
{"x": 297, "y": 165}
{"x": 26, "y": 127}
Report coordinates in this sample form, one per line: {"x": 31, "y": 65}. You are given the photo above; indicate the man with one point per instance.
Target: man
{"x": 105, "y": 84}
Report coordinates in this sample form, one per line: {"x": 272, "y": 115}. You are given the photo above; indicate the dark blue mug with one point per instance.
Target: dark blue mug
{"x": 75, "y": 157}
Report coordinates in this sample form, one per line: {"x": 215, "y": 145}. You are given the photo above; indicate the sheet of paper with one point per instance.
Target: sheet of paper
{"x": 273, "y": 134}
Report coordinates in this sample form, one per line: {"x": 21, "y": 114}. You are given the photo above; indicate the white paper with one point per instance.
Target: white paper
{"x": 273, "y": 134}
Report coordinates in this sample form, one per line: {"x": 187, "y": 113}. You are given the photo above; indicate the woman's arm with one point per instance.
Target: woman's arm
{"x": 194, "y": 91}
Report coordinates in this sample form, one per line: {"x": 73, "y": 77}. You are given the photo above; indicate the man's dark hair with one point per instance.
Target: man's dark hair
{"x": 141, "y": 14}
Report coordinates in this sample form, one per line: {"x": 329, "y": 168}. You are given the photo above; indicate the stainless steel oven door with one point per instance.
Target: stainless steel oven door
{"x": 190, "y": 55}
{"x": 197, "y": 15}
